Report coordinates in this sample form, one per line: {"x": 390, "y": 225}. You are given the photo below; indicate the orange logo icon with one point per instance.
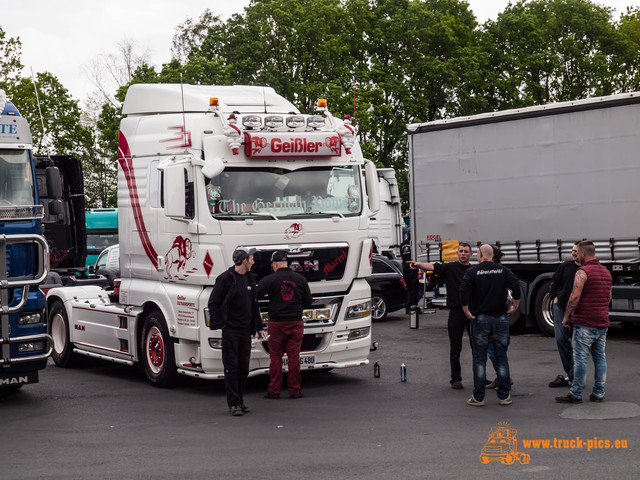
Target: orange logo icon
{"x": 502, "y": 446}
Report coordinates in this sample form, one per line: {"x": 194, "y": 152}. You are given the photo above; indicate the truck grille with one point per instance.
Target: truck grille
{"x": 310, "y": 343}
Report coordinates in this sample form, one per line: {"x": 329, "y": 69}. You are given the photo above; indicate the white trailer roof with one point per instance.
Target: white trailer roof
{"x": 535, "y": 111}
{"x": 155, "y": 98}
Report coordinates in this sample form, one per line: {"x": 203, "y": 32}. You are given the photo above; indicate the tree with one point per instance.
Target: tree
{"x": 549, "y": 51}
{"x": 10, "y": 65}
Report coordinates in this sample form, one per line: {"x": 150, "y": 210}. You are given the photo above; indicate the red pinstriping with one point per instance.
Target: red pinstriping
{"x": 126, "y": 163}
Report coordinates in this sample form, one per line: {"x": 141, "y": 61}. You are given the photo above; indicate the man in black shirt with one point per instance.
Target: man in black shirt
{"x": 233, "y": 307}
{"x": 485, "y": 286}
{"x": 560, "y": 291}
{"x": 289, "y": 295}
{"x": 452, "y": 274}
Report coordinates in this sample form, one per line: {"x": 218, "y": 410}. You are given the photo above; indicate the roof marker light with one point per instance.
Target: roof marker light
{"x": 315, "y": 121}
{"x": 251, "y": 121}
{"x": 274, "y": 121}
{"x": 295, "y": 121}
{"x": 214, "y": 102}
{"x": 322, "y": 105}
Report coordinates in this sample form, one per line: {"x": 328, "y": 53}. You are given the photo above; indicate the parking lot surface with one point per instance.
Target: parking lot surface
{"x": 103, "y": 421}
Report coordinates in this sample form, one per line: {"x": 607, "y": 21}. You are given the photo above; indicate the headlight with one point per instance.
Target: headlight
{"x": 359, "y": 310}
{"x": 30, "y": 319}
{"x": 30, "y": 347}
{"x": 358, "y": 333}
{"x": 215, "y": 343}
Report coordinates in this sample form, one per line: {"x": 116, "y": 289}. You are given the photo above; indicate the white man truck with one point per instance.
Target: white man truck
{"x": 533, "y": 181}
{"x": 206, "y": 169}
{"x": 385, "y": 228}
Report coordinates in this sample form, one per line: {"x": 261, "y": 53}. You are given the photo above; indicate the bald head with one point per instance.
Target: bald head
{"x": 485, "y": 253}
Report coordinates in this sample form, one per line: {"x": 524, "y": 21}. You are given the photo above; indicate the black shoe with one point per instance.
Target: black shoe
{"x": 593, "y": 398}
{"x": 457, "y": 385}
{"x": 245, "y": 409}
{"x": 272, "y": 397}
{"x": 559, "y": 381}
{"x": 296, "y": 395}
{"x": 568, "y": 398}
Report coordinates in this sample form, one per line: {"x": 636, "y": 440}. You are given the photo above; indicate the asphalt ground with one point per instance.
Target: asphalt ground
{"x": 104, "y": 421}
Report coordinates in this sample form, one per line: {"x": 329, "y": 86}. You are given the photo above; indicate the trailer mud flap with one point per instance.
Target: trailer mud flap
{"x": 16, "y": 379}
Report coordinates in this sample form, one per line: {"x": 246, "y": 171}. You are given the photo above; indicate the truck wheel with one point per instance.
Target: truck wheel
{"x": 156, "y": 348}
{"x": 544, "y": 309}
{"x": 59, "y": 330}
{"x": 379, "y": 308}
{"x": 509, "y": 459}
{"x": 484, "y": 459}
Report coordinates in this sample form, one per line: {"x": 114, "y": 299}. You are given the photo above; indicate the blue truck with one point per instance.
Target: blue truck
{"x": 24, "y": 253}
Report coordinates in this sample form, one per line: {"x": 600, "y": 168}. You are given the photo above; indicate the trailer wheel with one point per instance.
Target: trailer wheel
{"x": 379, "y": 307}
{"x": 59, "y": 330}
{"x": 156, "y": 350}
{"x": 544, "y": 309}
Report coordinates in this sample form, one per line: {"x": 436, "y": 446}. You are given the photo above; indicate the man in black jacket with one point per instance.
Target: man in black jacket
{"x": 559, "y": 291}
{"x": 484, "y": 286}
{"x": 289, "y": 295}
{"x": 233, "y": 307}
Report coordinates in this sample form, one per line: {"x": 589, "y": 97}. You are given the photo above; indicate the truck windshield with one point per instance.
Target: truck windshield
{"x": 16, "y": 179}
{"x": 278, "y": 193}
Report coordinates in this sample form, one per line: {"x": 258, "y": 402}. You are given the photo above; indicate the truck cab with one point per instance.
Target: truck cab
{"x": 24, "y": 255}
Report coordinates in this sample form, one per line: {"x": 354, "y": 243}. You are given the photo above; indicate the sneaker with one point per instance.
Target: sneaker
{"x": 493, "y": 384}
{"x": 236, "y": 410}
{"x": 506, "y": 401}
{"x": 245, "y": 409}
{"x": 457, "y": 385}
{"x": 593, "y": 398}
{"x": 296, "y": 395}
{"x": 475, "y": 403}
{"x": 559, "y": 381}
{"x": 271, "y": 396}
{"x": 568, "y": 398}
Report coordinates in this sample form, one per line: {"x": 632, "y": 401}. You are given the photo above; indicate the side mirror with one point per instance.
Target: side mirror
{"x": 373, "y": 188}
{"x": 213, "y": 165}
{"x": 174, "y": 191}
{"x": 55, "y": 207}
{"x": 54, "y": 183}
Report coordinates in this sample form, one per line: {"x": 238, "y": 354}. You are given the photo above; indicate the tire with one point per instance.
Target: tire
{"x": 379, "y": 307}
{"x": 156, "y": 351}
{"x": 109, "y": 274}
{"x": 509, "y": 459}
{"x": 544, "y": 309}
{"x": 58, "y": 326}
{"x": 484, "y": 460}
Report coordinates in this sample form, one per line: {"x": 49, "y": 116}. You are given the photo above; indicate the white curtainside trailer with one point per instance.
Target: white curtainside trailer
{"x": 533, "y": 181}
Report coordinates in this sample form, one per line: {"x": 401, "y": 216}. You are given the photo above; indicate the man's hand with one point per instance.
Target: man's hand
{"x": 261, "y": 334}
{"x": 467, "y": 312}
{"x": 566, "y": 322}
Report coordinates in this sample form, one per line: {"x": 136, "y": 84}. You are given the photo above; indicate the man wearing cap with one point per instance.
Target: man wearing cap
{"x": 289, "y": 295}
{"x": 233, "y": 307}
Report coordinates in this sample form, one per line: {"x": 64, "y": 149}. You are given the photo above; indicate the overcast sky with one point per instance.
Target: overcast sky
{"x": 63, "y": 35}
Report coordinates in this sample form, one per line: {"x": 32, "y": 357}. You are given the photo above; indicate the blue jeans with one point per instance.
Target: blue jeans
{"x": 485, "y": 331}
{"x": 563, "y": 340}
{"x": 585, "y": 340}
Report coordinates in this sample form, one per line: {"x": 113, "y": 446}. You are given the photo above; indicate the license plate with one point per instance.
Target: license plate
{"x": 305, "y": 360}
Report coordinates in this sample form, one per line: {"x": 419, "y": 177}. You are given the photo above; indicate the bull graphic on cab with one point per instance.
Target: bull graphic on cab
{"x": 177, "y": 258}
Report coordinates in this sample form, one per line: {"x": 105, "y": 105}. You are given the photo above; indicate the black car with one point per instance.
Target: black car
{"x": 388, "y": 289}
